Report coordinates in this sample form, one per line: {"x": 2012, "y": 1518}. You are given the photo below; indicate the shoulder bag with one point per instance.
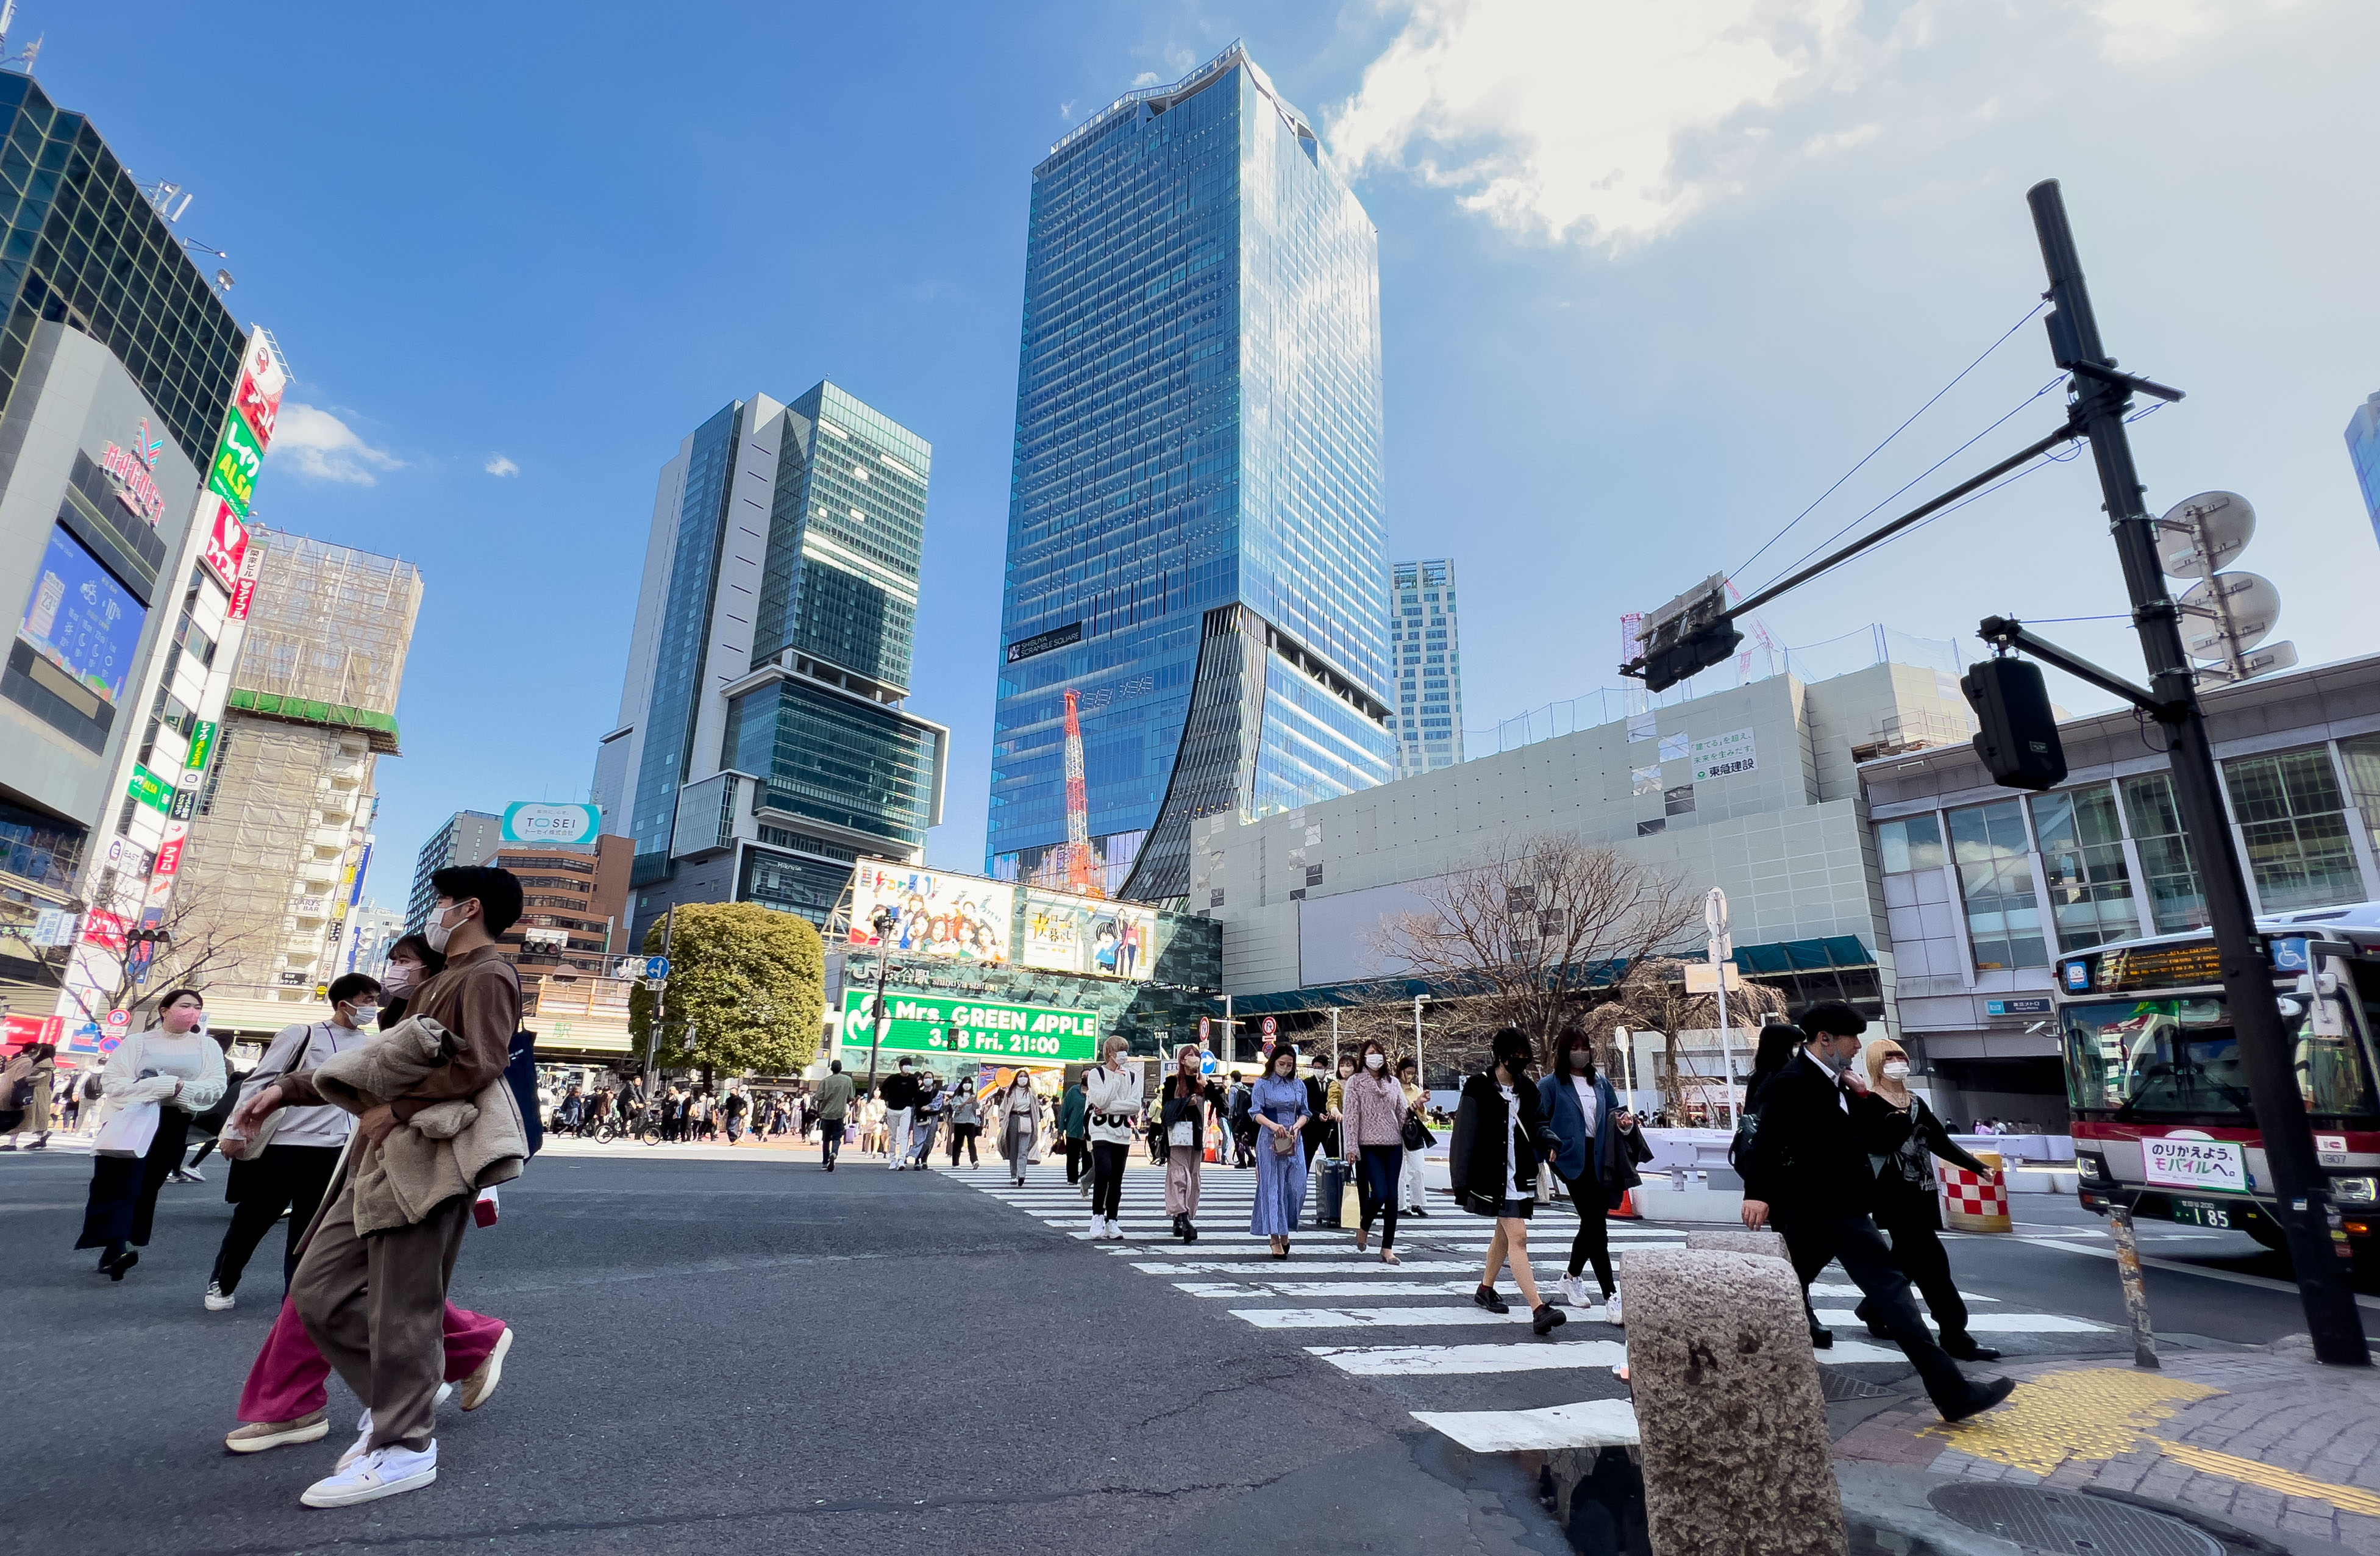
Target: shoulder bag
{"x": 254, "y": 1146}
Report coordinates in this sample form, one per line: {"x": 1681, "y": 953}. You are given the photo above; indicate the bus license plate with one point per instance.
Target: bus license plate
{"x": 2198, "y": 1212}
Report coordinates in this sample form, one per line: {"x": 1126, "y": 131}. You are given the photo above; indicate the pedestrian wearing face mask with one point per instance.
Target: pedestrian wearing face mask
{"x": 1501, "y": 1139}
{"x": 1808, "y": 1166}
{"x": 1909, "y": 1138}
{"x": 410, "y": 964}
{"x": 290, "y": 1173}
{"x": 1600, "y": 1145}
{"x": 1372, "y": 1123}
{"x": 1183, "y": 1104}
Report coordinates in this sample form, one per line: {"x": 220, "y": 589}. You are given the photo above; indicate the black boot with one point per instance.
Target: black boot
{"x": 1189, "y": 1230}
{"x": 1963, "y": 1347}
{"x": 1822, "y": 1339}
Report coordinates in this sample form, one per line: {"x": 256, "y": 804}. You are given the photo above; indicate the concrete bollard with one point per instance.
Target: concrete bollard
{"x": 1728, "y": 1407}
{"x": 1764, "y": 1243}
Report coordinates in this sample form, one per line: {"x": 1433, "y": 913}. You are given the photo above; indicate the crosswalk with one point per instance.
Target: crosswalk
{"x": 1345, "y": 1299}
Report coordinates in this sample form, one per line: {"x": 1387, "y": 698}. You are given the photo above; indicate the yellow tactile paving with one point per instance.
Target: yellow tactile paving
{"x": 2093, "y": 1414}
{"x": 2098, "y": 1413}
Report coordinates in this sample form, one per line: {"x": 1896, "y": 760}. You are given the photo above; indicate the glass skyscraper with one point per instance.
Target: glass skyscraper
{"x": 763, "y": 744}
{"x": 1427, "y": 647}
{"x": 1195, "y": 534}
{"x": 2363, "y": 447}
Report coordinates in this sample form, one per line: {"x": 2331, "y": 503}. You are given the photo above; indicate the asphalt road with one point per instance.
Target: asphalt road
{"x": 711, "y": 1356}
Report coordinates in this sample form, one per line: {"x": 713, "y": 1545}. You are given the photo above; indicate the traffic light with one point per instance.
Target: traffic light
{"x": 2019, "y": 743}
{"x": 1690, "y": 655}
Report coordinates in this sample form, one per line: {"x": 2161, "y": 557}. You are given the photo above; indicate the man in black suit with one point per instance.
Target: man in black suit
{"x": 1808, "y": 1169}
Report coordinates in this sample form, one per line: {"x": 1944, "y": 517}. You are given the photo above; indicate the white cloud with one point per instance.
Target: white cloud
{"x": 501, "y": 464}
{"x": 321, "y": 446}
{"x": 1147, "y": 79}
{"x": 1608, "y": 123}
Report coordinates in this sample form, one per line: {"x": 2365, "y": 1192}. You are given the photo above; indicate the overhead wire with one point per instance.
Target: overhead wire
{"x": 1894, "y": 434}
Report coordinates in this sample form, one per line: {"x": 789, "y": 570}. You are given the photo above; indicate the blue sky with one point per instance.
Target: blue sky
{"x": 1653, "y": 276}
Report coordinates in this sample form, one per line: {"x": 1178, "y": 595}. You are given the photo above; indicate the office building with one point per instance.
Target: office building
{"x": 1984, "y": 888}
{"x": 1427, "y": 648}
{"x": 120, "y": 367}
{"x": 276, "y": 859}
{"x": 467, "y": 838}
{"x": 372, "y": 930}
{"x": 1194, "y": 535}
{"x": 763, "y": 744}
{"x": 2363, "y": 447}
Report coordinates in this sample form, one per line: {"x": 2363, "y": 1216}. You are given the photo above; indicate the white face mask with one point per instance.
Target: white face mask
{"x": 1376, "y": 1061}
{"x": 399, "y": 977}
{"x": 364, "y": 1015}
{"x": 1895, "y": 1069}
{"x": 438, "y": 932}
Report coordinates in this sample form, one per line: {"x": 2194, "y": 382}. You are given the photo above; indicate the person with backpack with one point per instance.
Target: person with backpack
{"x": 1243, "y": 1123}
{"x": 1808, "y": 1169}
{"x": 288, "y": 1175}
{"x": 1074, "y": 1128}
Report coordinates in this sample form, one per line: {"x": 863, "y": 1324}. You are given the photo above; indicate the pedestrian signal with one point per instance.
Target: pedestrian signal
{"x": 2019, "y": 743}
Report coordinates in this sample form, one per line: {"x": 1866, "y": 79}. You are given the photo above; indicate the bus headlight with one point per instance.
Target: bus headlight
{"x": 2092, "y": 1170}
{"x": 2355, "y": 1191}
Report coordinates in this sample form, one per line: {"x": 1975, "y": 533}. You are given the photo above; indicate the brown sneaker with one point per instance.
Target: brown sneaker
{"x": 486, "y": 1376}
{"x": 255, "y": 1436}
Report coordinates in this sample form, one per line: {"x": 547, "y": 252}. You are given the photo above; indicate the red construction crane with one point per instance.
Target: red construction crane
{"x": 1078, "y": 806}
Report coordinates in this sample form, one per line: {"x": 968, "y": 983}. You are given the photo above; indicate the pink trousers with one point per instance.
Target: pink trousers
{"x": 285, "y": 1381}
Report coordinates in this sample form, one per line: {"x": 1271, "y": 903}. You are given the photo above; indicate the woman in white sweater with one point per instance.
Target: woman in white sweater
{"x": 179, "y": 1068}
{"x": 1112, "y": 1094}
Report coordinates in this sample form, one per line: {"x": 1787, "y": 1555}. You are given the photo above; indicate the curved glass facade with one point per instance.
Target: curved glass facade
{"x": 1197, "y": 428}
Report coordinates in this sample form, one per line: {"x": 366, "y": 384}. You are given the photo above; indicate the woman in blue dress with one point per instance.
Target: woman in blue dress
{"x": 1279, "y": 1107}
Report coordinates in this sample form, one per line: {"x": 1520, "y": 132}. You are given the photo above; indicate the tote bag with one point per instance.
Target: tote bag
{"x": 130, "y": 1132}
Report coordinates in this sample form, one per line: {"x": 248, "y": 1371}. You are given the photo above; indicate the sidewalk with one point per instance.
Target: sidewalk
{"x": 2261, "y": 1441}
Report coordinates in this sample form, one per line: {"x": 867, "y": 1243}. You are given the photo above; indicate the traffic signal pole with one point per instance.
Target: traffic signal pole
{"x": 2101, "y": 396}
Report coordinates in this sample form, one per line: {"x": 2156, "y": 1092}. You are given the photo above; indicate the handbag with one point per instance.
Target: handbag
{"x": 130, "y": 1132}
{"x": 1416, "y": 1134}
{"x": 1179, "y": 1135}
{"x": 1283, "y": 1142}
{"x": 254, "y": 1146}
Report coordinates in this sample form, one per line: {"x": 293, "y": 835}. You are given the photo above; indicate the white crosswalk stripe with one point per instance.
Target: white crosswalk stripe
{"x": 1325, "y": 1285}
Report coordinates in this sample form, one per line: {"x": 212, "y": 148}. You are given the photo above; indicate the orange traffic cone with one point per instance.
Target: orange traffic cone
{"x": 1628, "y": 1210}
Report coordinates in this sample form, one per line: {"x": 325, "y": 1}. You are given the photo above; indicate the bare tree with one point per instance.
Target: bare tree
{"x": 196, "y": 938}
{"x": 1653, "y": 998}
{"x": 1521, "y": 937}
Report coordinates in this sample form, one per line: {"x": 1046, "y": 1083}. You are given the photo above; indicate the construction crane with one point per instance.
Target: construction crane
{"x": 1078, "y": 806}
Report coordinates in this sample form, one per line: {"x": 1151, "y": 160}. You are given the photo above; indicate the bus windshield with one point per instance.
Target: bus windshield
{"x": 2179, "y": 1057}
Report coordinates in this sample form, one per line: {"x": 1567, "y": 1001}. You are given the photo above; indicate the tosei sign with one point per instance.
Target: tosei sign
{"x": 529, "y": 820}
{"x": 953, "y": 1024}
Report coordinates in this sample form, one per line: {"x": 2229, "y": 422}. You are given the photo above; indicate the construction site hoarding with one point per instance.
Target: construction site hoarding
{"x": 1065, "y": 932}
{"x": 935, "y": 913}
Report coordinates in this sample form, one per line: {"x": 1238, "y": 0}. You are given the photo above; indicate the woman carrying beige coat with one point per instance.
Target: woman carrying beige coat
{"x": 25, "y": 1095}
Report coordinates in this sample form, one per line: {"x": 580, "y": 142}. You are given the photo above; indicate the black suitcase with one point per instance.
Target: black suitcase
{"x": 1328, "y": 1190}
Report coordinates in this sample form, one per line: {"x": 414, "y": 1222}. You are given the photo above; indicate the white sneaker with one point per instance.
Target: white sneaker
{"x": 363, "y": 1423}
{"x": 1099, "y": 1226}
{"x": 1611, "y": 1312}
{"x": 220, "y": 1300}
{"x": 1116, "y": 1230}
{"x": 1574, "y": 1291}
{"x": 383, "y": 1472}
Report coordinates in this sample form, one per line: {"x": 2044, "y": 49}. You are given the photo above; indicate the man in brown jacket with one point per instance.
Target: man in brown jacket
{"x": 374, "y": 1304}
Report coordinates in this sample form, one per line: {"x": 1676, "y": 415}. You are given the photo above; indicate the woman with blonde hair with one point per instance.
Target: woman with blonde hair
{"x": 1906, "y": 1205}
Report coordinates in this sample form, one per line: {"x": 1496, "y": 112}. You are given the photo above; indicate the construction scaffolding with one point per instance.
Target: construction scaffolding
{"x": 285, "y": 808}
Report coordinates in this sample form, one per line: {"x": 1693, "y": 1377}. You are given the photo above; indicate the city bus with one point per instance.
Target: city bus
{"x": 2162, "y": 1117}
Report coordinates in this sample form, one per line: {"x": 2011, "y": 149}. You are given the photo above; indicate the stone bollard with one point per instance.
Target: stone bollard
{"x": 1728, "y": 1407}
{"x": 1766, "y": 1243}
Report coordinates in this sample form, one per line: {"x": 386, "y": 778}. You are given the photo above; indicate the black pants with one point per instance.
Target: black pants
{"x": 1108, "y": 1158}
{"x": 1814, "y": 1240}
{"x": 964, "y": 1135}
{"x": 1592, "y": 1240}
{"x": 123, "y": 1203}
{"x": 284, "y": 1177}
{"x": 1078, "y": 1156}
{"x": 830, "y": 1138}
{"x": 1923, "y": 1258}
{"x": 1376, "y": 1188}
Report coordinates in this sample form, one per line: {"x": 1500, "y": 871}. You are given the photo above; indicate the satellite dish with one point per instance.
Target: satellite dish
{"x": 2251, "y": 604}
{"x": 2202, "y": 535}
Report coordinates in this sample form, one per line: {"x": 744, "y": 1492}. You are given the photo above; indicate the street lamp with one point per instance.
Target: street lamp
{"x": 885, "y": 921}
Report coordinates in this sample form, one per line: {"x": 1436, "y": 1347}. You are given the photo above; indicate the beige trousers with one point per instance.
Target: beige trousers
{"x": 376, "y": 1307}
{"x": 1182, "y": 1166}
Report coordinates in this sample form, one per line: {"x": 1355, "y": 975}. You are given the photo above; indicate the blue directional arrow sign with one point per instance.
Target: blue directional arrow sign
{"x": 656, "y": 966}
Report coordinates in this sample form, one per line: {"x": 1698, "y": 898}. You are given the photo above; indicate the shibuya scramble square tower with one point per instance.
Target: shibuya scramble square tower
{"x": 1195, "y": 534}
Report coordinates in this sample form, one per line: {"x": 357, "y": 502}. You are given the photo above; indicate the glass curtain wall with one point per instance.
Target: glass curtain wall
{"x": 2083, "y": 858}
{"x": 2293, "y": 827}
{"x": 1996, "y": 882}
{"x": 2176, "y": 901}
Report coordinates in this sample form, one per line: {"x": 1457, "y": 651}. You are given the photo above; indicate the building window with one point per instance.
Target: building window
{"x": 2083, "y": 857}
{"x": 2292, "y": 819}
{"x": 2175, "y": 901}
{"x": 2362, "y": 756}
{"x": 1996, "y": 882}
{"x": 1912, "y": 842}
